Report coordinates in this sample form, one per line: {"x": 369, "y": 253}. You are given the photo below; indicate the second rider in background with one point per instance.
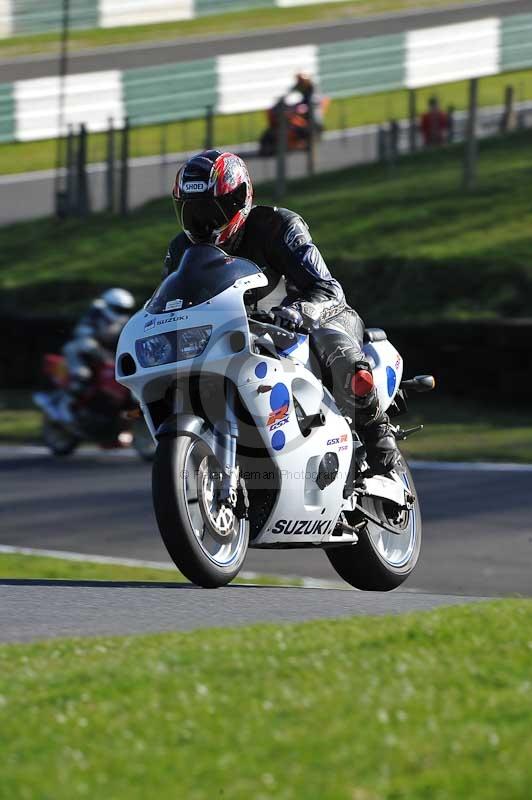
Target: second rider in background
{"x": 94, "y": 338}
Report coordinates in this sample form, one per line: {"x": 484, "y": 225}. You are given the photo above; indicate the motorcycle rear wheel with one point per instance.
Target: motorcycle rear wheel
{"x": 381, "y": 560}
{"x": 184, "y": 485}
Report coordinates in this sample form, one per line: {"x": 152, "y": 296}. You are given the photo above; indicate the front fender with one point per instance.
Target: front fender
{"x": 186, "y": 425}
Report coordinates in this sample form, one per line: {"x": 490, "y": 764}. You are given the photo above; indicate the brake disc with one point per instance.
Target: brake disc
{"x": 218, "y": 517}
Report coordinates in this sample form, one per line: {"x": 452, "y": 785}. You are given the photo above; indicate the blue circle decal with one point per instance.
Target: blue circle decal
{"x": 261, "y": 370}
{"x": 279, "y": 397}
{"x": 278, "y": 440}
{"x": 392, "y": 380}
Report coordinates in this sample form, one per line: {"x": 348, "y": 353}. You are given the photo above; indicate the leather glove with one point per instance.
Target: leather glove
{"x": 287, "y": 317}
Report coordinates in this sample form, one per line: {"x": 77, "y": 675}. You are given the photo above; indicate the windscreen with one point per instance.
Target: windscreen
{"x": 204, "y": 272}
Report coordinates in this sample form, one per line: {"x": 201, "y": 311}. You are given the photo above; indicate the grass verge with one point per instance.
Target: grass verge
{"x": 434, "y": 705}
{"x": 230, "y": 129}
{"x": 243, "y": 21}
{"x": 455, "y": 430}
{"x": 18, "y": 566}
{"x": 459, "y": 430}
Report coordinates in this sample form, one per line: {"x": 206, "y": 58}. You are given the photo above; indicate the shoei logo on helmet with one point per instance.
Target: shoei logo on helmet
{"x": 195, "y": 186}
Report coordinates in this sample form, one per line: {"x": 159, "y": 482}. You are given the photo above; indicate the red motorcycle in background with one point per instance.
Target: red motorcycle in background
{"x": 105, "y": 413}
{"x": 297, "y": 125}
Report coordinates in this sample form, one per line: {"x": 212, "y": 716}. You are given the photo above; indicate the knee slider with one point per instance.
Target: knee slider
{"x": 361, "y": 381}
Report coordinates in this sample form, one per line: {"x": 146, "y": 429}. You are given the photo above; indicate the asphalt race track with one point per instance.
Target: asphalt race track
{"x": 144, "y": 55}
{"x": 477, "y": 523}
{"x": 41, "y": 610}
{"x": 477, "y": 544}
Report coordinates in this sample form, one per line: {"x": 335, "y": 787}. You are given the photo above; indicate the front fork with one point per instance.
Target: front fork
{"x": 225, "y": 442}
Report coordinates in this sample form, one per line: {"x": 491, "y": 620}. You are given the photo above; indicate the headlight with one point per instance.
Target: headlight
{"x": 155, "y": 350}
{"x": 164, "y": 348}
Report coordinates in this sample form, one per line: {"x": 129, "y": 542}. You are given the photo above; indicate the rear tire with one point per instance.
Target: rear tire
{"x": 381, "y": 561}
{"x": 181, "y": 482}
{"x": 58, "y": 440}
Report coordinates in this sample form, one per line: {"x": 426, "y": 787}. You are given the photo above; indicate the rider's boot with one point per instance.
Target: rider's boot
{"x": 372, "y": 423}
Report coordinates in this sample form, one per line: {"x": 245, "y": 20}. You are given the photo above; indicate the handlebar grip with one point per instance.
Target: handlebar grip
{"x": 286, "y": 338}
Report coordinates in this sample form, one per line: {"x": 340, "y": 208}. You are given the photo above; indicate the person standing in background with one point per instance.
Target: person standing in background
{"x": 434, "y": 125}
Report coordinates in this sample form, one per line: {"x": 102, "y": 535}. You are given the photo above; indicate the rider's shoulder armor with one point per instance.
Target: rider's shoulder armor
{"x": 271, "y": 221}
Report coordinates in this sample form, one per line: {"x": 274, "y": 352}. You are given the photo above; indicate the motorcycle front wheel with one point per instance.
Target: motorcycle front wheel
{"x": 57, "y": 439}
{"x": 382, "y": 560}
{"x": 205, "y": 539}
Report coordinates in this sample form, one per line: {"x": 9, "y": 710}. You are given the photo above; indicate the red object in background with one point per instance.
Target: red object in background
{"x": 434, "y": 127}
{"x": 104, "y": 382}
{"x": 55, "y": 368}
{"x": 297, "y": 123}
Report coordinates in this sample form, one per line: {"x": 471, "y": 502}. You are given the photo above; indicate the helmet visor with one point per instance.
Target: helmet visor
{"x": 200, "y": 217}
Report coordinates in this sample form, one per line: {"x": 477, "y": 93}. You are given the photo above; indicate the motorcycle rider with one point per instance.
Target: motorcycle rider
{"x": 94, "y": 337}
{"x": 305, "y": 86}
{"x": 213, "y": 200}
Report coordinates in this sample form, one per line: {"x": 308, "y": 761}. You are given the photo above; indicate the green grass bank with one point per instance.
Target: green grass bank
{"x": 439, "y": 253}
{"x": 426, "y": 706}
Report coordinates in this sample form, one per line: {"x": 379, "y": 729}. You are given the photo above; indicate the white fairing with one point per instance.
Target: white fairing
{"x": 302, "y": 511}
{"x": 387, "y": 370}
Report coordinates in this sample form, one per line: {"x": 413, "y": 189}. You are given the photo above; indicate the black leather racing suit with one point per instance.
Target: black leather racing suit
{"x": 279, "y": 242}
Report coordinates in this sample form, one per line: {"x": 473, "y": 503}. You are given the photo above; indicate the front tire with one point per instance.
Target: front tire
{"x": 381, "y": 561}
{"x": 58, "y": 440}
{"x": 184, "y": 483}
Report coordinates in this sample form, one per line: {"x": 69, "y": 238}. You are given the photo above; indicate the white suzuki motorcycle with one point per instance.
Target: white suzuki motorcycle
{"x": 252, "y": 450}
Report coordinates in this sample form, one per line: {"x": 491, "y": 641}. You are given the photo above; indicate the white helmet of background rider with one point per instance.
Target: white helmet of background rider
{"x": 116, "y": 305}
{"x": 109, "y": 313}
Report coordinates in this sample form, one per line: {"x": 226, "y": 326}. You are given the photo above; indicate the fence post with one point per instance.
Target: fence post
{"x": 61, "y": 194}
{"x": 450, "y": 124}
{"x": 164, "y": 152}
{"x": 82, "y": 186}
{"x": 209, "y": 128}
{"x": 311, "y": 147}
{"x": 381, "y": 143}
{"x": 110, "y": 177}
{"x": 70, "y": 201}
{"x": 280, "y": 184}
{"x": 124, "y": 170}
{"x": 412, "y": 114}
{"x": 509, "y": 119}
{"x": 470, "y": 154}
{"x": 394, "y": 132}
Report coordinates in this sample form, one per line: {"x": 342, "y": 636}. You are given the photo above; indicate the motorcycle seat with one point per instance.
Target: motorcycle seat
{"x": 374, "y": 335}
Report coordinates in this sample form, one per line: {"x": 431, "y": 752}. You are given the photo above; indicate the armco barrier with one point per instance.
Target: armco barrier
{"x": 483, "y": 361}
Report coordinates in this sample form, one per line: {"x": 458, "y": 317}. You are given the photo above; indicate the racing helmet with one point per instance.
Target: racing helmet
{"x": 108, "y": 315}
{"x": 212, "y": 196}
{"x": 116, "y": 305}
